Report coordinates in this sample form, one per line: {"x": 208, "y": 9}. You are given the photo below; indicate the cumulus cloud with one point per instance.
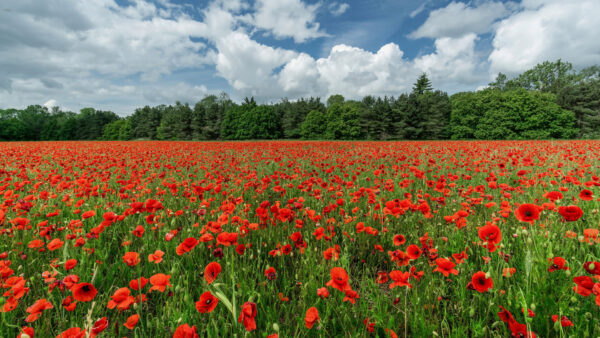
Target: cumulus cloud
{"x": 547, "y": 30}
{"x": 247, "y": 65}
{"x": 288, "y": 19}
{"x": 454, "y": 60}
{"x": 458, "y": 19}
{"x": 354, "y": 72}
{"x": 116, "y": 56}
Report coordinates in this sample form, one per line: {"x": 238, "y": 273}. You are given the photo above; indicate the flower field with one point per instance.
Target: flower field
{"x": 298, "y": 239}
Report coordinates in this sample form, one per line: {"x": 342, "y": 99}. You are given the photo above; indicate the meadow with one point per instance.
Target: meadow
{"x": 300, "y": 239}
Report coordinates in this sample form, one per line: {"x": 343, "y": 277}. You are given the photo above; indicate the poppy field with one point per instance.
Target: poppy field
{"x": 300, "y": 239}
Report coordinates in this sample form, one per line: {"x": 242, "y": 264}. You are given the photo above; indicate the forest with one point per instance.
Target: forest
{"x": 550, "y": 101}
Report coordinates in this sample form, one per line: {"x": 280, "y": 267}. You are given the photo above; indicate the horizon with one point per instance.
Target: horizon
{"x": 120, "y": 55}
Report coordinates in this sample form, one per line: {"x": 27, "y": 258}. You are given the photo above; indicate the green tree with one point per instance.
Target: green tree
{"x": 343, "y": 121}
{"x": 314, "y": 125}
{"x": 333, "y": 99}
{"x": 510, "y": 114}
{"x": 422, "y": 85}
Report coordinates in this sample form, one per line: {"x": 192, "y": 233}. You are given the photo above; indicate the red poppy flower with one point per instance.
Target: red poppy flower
{"x": 553, "y": 195}
{"x": 138, "y": 231}
{"x": 156, "y": 257}
{"x": 70, "y": 264}
{"x": 558, "y": 263}
{"x": 35, "y": 310}
{"x": 460, "y": 257}
{"x": 584, "y": 286}
{"x": 323, "y": 292}
{"x": 592, "y": 267}
{"x": 270, "y": 273}
{"x": 480, "y": 282}
{"x": 339, "y": 279}
{"x": 382, "y": 277}
{"x": 400, "y": 257}
{"x": 74, "y": 332}
{"x": 248, "y": 315}
{"x": 570, "y": 213}
{"x": 504, "y": 314}
{"x": 490, "y": 234}
{"x": 413, "y": 251}
{"x": 399, "y": 240}
{"x": 350, "y": 296}
{"x": 131, "y": 258}
{"x": 445, "y": 267}
{"x": 311, "y": 317}
{"x": 68, "y": 304}
{"x": 84, "y": 292}
{"x": 400, "y": 279}
{"x": 121, "y": 299}
{"x": 99, "y": 326}
{"x": 564, "y": 321}
{"x": 187, "y": 245}
{"x": 28, "y": 331}
{"x": 132, "y": 321}
{"x": 586, "y": 195}
{"x": 212, "y": 271}
{"x": 207, "y": 302}
{"x": 137, "y": 284}
{"x": 55, "y": 244}
{"x": 527, "y": 213}
{"x": 159, "y": 282}
{"x": 185, "y": 331}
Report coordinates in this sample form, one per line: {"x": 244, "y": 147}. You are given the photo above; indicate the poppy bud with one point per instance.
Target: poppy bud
{"x": 557, "y": 325}
{"x": 592, "y": 266}
{"x": 471, "y": 312}
{"x": 568, "y": 272}
{"x": 2, "y": 301}
{"x": 275, "y": 327}
{"x": 529, "y": 241}
{"x": 532, "y": 307}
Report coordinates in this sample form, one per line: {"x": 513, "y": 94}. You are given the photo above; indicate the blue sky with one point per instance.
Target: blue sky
{"x": 122, "y": 54}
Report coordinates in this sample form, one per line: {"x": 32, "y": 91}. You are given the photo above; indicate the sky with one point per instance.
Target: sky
{"x": 119, "y": 55}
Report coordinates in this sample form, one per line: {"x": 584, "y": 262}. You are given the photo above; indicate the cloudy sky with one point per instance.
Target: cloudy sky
{"x": 121, "y": 54}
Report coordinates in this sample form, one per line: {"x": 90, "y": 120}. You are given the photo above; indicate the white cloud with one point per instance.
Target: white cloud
{"x": 453, "y": 60}
{"x": 418, "y": 10}
{"x": 547, "y": 30}
{"x": 247, "y": 65}
{"x": 458, "y": 19}
{"x": 288, "y": 19}
{"x": 354, "y": 72}
{"x": 338, "y": 8}
{"x": 119, "y": 57}
{"x": 51, "y": 103}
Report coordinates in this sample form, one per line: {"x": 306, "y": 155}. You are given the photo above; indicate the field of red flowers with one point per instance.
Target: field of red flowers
{"x": 267, "y": 239}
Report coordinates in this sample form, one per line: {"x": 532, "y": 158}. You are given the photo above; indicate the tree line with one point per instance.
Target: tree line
{"x": 549, "y": 101}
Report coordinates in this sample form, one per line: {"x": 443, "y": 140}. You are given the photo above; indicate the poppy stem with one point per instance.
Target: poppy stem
{"x": 406, "y": 313}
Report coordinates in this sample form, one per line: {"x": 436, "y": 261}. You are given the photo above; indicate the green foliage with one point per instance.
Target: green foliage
{"x": 343, "y": 121}
{"x": 333, "y": 99}
{"x": 313, "y": 127}
{"x": 117, "y": 130}
{"x": 292, "y": 114}
{"x": 176, "y": 123}
{"x": 250, "y": 121}
{"x": 511, "y": 114}
{"x": 422, "y": 85}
